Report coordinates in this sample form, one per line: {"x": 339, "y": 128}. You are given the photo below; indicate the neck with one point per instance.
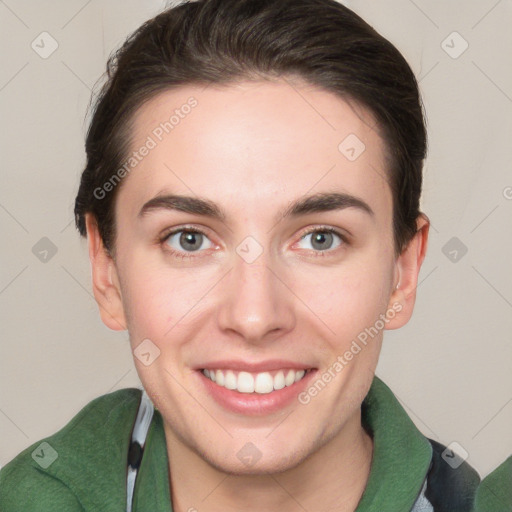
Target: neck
{"x": 332, "y": 478}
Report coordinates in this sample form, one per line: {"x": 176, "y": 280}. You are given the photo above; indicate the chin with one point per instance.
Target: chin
{"x": 249, "y": 460}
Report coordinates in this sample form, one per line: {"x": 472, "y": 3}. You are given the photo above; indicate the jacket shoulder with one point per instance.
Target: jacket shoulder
{"x": 495, "y": 492}
{"x": 25, "y": 489}
{"x": 70, "y": 470}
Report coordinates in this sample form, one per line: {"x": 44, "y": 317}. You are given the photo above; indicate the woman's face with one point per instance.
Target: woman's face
{"x": 258, "y": 284}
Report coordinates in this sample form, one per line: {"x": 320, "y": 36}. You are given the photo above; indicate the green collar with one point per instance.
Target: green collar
{"x": 92, "y": 450}
{"x": 400, "y": 462}
{"x": 401, "y": 453}
{"x": 92, "y": 455}
{"x": 152, "y": 485}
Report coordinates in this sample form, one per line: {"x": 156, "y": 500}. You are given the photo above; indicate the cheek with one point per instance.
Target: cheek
{"x": 146, "y": 295}
{"x": 158, "y": 299}
{"x": 152, "y": 304}
{"x": 348, "y": 298}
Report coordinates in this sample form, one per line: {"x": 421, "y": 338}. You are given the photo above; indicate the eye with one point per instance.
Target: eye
{"x": 187, "y": 240}
{"x": 322, "y": 239}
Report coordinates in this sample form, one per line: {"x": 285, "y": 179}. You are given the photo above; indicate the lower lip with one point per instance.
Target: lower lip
{"x": 255, "y": 403}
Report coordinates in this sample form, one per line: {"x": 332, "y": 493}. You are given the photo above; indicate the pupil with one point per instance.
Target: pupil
{"x": 320, "y": 238}
{"x": 189, "y": 241}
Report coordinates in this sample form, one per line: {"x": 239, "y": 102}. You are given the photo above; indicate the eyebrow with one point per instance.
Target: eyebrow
{"x": 320, "y": 202}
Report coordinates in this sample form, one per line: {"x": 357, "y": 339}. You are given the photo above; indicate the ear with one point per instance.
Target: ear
{"x": 407, "y": 269}
{"x": 105, "y": 282}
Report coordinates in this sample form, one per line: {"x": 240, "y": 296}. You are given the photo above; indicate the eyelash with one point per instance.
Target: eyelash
{"x": 191, "y": 255}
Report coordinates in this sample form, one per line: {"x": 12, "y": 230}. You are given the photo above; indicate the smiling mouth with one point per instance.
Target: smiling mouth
{"x": 262, "y": 382}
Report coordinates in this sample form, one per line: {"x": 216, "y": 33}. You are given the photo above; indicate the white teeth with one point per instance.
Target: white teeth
{"x": 279, "y": 380}
{"x": 290, "y": 378}
{"x": 246, "y": 382}
{"x": 264, "y": 383}
{"x": 230, "y": 380}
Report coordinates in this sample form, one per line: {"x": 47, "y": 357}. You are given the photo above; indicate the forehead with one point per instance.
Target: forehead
{"x": 254, "y": 144}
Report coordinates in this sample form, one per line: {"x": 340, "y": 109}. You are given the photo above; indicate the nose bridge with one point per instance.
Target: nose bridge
{"x": 255, "y": 301}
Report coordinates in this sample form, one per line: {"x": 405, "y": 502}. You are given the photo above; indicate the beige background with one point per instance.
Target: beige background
{"x": 450, "y": 367}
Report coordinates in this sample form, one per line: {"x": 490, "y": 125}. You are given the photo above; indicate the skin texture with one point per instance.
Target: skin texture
{"x": 253, "y": 148}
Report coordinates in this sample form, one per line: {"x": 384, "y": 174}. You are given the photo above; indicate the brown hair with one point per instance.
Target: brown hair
{"x": 224, "y": 41}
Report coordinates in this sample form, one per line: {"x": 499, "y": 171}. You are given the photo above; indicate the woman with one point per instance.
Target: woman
{"x": 251, "y": 203}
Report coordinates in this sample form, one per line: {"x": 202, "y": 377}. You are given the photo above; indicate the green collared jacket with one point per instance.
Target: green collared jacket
{"x": 83, "y": 467}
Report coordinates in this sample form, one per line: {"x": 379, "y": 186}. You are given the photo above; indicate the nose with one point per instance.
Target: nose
{"x": 257, "y": 303}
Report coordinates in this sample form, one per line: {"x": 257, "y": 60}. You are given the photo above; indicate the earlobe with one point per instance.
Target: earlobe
{"x": 105, "y": 282}
{"x": 407, "y": 269}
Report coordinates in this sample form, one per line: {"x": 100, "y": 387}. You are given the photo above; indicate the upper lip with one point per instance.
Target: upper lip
{"x": 255, "y": 367}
